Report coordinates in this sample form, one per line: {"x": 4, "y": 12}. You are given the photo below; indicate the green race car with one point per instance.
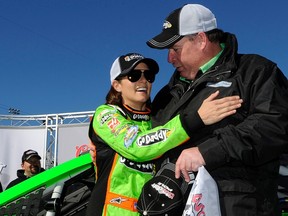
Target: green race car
{"x": 62, "y": 190}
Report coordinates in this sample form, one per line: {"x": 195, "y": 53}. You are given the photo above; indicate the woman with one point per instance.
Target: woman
{"x": 126, "y": 144}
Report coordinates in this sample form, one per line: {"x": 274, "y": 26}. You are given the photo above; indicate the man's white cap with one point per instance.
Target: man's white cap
{"x": 187, "y": 20}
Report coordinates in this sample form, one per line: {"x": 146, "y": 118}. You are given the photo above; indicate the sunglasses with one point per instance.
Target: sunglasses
{"x": 135, "y": 75}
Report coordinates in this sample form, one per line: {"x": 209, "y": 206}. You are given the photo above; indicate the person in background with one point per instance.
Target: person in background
{"x": 242, "y": 151}
{"x": 124, "y": 143}
{"x": 31, "y": 166}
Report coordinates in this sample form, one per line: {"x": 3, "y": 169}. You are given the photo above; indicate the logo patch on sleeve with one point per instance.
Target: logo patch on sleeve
{"x": 130, "y": 135}
{"x": 113, "y": 123}
{"x": 104, "y": 116}
{"x": 153, "y": 138}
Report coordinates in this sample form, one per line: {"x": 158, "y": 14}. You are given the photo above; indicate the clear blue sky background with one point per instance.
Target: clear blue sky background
{"x": 55, "y": 55}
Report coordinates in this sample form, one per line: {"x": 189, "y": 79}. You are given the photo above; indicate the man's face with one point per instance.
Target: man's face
{"x": 32, "y": 166}
{"x": 185, "y": 56}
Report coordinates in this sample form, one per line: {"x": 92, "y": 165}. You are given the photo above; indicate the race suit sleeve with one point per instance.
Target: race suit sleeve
{"x": 262, "y": 135}
{"x": 137, "y": 142}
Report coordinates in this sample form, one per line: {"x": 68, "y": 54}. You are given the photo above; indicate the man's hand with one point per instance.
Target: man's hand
{"x": 189, "y": 160}
{"x": 214, "y": 110}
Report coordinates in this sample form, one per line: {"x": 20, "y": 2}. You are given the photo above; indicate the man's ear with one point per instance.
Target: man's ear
{"x": 202, "y": 39}
{"x": 117, "y": 85}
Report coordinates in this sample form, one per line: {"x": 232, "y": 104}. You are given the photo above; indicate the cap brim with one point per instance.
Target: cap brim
{"x": 152, "y": 64}
{"x": 163, "y": 41}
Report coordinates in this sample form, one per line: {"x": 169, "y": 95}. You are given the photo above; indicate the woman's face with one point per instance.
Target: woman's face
{"x": 135, "y": 94}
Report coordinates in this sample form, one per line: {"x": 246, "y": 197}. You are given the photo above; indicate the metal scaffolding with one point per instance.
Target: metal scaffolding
{"x": 51, "y": 123}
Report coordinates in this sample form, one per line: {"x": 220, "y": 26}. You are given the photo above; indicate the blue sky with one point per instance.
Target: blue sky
{"x": 55, "y": 55}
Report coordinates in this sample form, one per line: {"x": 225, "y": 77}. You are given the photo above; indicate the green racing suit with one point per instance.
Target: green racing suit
{"x": 126, "y": 146}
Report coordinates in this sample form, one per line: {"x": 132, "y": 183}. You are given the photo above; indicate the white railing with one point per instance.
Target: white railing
{"x": 51, "y": 123}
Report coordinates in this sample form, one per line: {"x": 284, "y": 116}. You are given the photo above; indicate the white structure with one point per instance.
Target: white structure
{"x": 56, "y": 137}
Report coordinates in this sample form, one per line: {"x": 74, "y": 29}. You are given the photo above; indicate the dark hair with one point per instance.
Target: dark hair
{"x": 215, "y": 35}
{"x": 114, "y": 97}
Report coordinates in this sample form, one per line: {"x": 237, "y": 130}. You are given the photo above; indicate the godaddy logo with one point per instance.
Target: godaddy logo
{"x": 152, "y": 138}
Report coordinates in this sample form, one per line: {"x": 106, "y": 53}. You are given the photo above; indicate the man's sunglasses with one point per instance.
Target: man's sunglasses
{"x": 135, "y": 75}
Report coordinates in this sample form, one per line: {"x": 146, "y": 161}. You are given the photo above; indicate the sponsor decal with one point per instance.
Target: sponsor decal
{"x": 219, "y": 84}
{"x": 130, "y": 135}
{"x": 198, "y": 207}
{"x": 105, "y": 115}
{"x": 155, "y": 137}
{"x": 113, "y": 123}
{"x": 122, "y": 129}
{"x": 163, "y": 189}
{"x": 133, "y": 56}
{"x": 195, "y": 207}
{"x": 144, "y": 117}
{"x": 118, "y": 200}
{"x": 81, "y": 149}
{"x": 140, "y": 167}
{"x": 167, "y": 25}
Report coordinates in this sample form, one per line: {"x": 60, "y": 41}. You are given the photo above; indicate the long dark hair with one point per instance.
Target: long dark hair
{"x": 114, "y": 97}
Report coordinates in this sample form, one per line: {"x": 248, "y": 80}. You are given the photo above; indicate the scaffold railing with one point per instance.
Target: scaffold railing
{"x": 51, "y": 123}
{"x": 45, "y": 119}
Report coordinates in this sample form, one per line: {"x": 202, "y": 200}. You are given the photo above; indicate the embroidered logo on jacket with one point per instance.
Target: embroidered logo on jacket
{"x": 141, "y": 167}
{"x": 118, "y": 200}
{"x": 141, "y": 117}
{"x": 130, "y": 135}
{"x": 152, "y": 138}
{"x": 219, "y": 84}
{"x": 113, "y": 123}
{"x": 105, "y": 115}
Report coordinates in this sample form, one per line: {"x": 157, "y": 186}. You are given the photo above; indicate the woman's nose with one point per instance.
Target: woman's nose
{"x": 143, "y": 78}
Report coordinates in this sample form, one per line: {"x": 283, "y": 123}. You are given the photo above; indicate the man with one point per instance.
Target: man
{"x": 31, "y": 166}
{"x": 242, "y": 151}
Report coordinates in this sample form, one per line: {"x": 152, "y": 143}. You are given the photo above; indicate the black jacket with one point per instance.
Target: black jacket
{"x": 20, "y": 178}
{"x": 241, "y": 151}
